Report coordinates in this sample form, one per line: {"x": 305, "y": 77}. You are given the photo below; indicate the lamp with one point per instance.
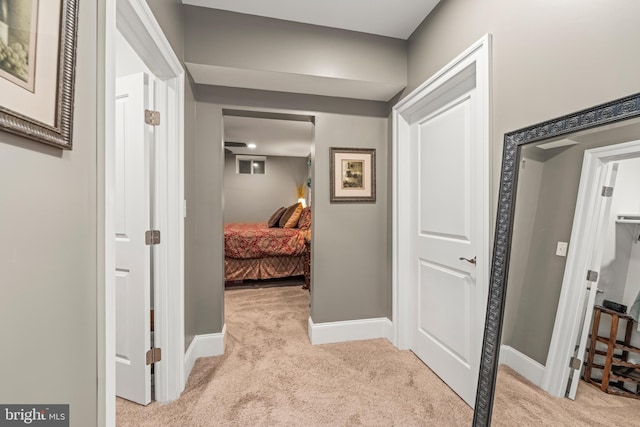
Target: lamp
{"x": 300, "y": 194}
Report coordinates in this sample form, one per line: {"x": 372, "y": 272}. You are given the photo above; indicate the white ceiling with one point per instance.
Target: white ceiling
{"x": 272, "y": 137}
{"x": 391, "y": 18}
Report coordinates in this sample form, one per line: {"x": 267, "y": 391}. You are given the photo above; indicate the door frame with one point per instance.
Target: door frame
{"x": 582, "y": 241}
{"x": 136, "y": 22}
{"x": 478, "y": 55}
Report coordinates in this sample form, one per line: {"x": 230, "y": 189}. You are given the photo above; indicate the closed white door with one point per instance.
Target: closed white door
{"x": 133, "y": 265}
{"x": 447, "y": 219}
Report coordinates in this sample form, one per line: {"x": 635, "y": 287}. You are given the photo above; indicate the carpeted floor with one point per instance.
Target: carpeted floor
{"x": 271, "y": 375}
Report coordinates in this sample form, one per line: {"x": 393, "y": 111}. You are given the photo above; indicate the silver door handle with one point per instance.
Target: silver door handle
{"x": 598, "y": 291}
{"x": 470, "y": 261}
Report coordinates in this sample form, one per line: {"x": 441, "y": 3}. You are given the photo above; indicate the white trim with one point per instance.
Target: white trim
{"x": 136, "y": 22}
{"x": 522, "y": 364}
{"x": 207, "y": 345}
{"x": 106, "y": 169}
{"x": 480, "y": 54}
{"x": 569, "y": 315}
{"x": 349, "y": 330}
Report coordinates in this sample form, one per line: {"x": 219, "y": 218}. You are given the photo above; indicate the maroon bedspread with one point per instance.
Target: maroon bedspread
{"x": 258, "y": 241}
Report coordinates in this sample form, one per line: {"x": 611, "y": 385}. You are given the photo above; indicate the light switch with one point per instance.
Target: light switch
{"x": 561, "y": 249}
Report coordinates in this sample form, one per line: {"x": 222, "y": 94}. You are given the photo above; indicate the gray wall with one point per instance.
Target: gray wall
{"x": 206, "y": 210}
{"x": 170, "y": 16}
{"x": 547, "y": 62}
{"x": 350, "y": 274}
{"x": 49, "y": 255}
{"x": 229, "y": 39}
{"x": 534, "y": 319}
{"x": 529, "y": 181}
{"x": 253, "y": 198}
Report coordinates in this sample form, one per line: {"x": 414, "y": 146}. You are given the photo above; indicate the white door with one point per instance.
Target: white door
{"x": 601, "y": 220}
{"x": 133, "y": 264}
{"x": 447, "y": 175}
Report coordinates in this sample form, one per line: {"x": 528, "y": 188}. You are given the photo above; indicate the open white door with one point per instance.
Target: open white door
{"x": 447, "y": 220}
{"x": 609, "y": 172}
{"x": 133, "y": 269}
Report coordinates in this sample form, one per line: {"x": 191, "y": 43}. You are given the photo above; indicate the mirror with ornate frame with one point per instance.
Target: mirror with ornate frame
{"x": 525, "y": 253}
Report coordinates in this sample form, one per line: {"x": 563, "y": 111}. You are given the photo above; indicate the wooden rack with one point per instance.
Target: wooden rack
{"x": 618, "y": 374}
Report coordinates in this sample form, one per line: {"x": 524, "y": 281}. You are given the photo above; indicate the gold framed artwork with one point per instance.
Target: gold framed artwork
{"x": 352, "y": 175}
{"x": 37, "y": 69}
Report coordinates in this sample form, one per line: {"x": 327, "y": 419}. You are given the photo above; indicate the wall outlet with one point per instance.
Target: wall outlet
{"x": 561, "y": 249}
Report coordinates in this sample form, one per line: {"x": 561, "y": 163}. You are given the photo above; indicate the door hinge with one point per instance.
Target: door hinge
{"x": 607, "y": 191}
{"x": 152, "y": 237}
{"x": 592, "y": 276}
{"x": 152, "y": 117}
{"x": 154, "y": 355}
{"x": 575, "y": 363}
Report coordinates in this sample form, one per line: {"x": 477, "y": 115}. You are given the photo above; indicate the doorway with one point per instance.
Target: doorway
{"x": 267, "y": 178}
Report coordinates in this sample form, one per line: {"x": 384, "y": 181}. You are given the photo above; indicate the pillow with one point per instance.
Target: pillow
{"x": 305, "y": 219}
{"x": 275, "y": 218}
{"x": 291, "y": 216}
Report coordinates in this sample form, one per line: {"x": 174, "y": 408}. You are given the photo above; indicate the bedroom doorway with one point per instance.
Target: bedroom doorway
{"x": 267, "y": 199}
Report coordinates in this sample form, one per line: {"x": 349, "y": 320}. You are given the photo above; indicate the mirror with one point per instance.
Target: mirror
{"x": 539, "y": 249}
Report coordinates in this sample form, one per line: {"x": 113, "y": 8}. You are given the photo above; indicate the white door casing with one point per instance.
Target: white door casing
{"x": 583, "y": 243}
{"x": 132, "y": 217}
{"x": 136, "y": 22}
{"x": 441, "y": 180}
{"x": 603, "y": 212}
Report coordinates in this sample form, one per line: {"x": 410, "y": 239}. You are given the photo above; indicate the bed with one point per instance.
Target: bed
{"x": 256, "y": 251}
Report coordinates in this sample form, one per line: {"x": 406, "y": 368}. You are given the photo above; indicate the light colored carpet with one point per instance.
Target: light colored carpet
{"x": 271, "y": 375}
{"x": 519, "y": 403}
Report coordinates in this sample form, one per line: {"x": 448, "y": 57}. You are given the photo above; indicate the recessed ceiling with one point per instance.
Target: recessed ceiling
{"x": 391, "y": 18}
{"x": 273, "y": 137}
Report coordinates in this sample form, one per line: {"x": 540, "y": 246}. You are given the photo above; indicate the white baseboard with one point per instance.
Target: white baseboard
{"x": 350, "y": 330}
{"x": 203, "y": 346}
{"x": 522, "y": 364}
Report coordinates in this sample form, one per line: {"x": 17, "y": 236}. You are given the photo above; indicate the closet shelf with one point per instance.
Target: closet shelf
{"x": 628, "y": 218}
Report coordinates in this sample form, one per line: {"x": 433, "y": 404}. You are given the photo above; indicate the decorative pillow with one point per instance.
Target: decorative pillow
{"x": 305, "y": 219}
{"x": 291, "y": 216}
{"x": 275, "y": 218}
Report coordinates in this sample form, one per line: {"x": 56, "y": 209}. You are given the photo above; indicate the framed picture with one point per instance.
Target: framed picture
{"x": 37, "y": 68}
{"x": 353, "y": 175}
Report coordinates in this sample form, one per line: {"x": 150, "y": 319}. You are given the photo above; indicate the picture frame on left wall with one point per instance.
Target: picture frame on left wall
{"x": 37, "y": 69}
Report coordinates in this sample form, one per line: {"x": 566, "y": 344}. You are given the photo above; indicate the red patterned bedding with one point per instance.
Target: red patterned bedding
{"x": 259, "y": 241}
{"x": 264, "y": 268}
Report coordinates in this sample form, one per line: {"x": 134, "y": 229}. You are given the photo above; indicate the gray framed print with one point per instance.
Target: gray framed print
{"x": 37, "y": 69}
{"x": 352, "y": 175}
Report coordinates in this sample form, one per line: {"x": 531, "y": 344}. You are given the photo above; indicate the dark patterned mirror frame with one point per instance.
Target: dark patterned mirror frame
{"x": 611, "y": 112}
